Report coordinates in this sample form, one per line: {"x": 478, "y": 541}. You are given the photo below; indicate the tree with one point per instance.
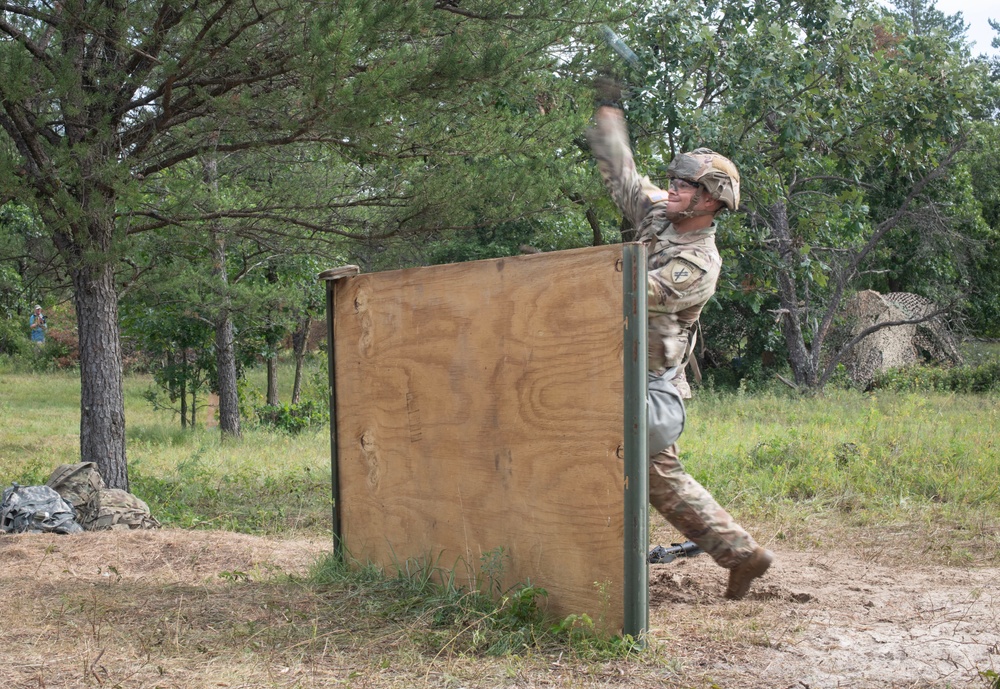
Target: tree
{"x": 177, "y": 345}
{"x": 844, "y": 127}
{"x": 983, "y": 165}
{"x": 93, "y": 95}
{"x": 296, "y": 301}
{"x": 18, "y": 265}
{"x": 923, "y": 18}
{"x": 101, "y": 102}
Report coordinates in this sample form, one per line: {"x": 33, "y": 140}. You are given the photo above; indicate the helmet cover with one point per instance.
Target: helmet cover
{"x": 714, "y": 172}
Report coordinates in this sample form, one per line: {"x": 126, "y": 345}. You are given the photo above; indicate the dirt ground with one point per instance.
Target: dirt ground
{"x": 180, "y": 609}
{"x": 831, "y": 620}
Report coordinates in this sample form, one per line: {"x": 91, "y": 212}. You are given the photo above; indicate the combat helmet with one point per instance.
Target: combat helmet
{"x": 714, "y": 172}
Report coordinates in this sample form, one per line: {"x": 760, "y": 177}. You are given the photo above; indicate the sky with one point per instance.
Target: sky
{"x": 975, "y": 13}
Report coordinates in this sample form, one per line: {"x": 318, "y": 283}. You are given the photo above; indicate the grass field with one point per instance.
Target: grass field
{"x": 798, "y": 466}
{"x": 266, "y": 482}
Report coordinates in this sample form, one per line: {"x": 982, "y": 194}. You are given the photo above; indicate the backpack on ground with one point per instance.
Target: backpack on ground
{"x": 99, "y": 508}
{"x": 36, "y": 509}
{"x": 76, "y": 483}
{"x": 115, "y": 509}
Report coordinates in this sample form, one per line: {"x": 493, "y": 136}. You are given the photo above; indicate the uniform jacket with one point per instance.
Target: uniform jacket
{"x": 682, "y": 268}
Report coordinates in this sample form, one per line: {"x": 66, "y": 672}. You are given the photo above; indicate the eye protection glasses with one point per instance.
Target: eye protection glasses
{"x": 678, "y": 184}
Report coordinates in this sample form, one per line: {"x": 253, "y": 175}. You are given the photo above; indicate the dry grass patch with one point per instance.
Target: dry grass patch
{"x": 174, "y": 608}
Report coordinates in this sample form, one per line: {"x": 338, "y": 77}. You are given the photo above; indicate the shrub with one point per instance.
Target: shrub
{"x": 62, "y": 347}
{"x": 292, "y": 418}
{"x": 14, "y": 339}
{"x": 966, "y": 379}
{"x": 60, "y": 350}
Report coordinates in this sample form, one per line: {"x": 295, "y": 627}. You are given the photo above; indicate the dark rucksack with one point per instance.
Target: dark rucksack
{"x": 36, "y": 509}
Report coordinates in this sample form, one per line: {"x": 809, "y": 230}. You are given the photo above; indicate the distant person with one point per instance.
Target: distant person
{"x": 38, "y": 326}
{"x": 677, "y": 225}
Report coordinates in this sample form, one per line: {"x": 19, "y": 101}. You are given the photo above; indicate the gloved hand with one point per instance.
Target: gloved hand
{"x": 608, "y": 90}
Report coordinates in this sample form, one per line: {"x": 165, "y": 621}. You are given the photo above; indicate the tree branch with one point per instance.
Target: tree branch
{"x": 845, "y": 275}
{"x": 452, "y": 7}
{"x": 36, "y": 51}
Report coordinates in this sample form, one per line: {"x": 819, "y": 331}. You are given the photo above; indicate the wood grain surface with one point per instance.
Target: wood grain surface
{"x": 480, "y": 416}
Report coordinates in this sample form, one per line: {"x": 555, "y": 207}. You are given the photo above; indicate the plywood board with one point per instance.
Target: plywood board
{"x": 479, "y": 412}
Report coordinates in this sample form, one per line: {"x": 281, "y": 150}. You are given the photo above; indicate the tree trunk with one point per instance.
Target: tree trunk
{"x": 225, "y": 348}
{"x": 595, "y": 226}
{"x": 300, "y": 338}
{"x": 225, "y": 351}
{"x": 799, "y": 356}
{"x": 225, "y": 362}
{"x": 184, "y": 403}
{"x": 272, "y": 380}
{"x": 627, "y": 232}
{"x": 102, "y": 400}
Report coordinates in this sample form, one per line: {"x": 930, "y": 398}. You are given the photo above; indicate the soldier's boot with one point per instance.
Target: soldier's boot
{"x": 744, "y": 573}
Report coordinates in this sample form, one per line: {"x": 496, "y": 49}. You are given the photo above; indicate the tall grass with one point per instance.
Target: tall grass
{"x": 771, "y": 457}
{"x": 266, "y": 482}
{"x": 908, "y": 475}
{"x": 845, "y": 450}
{"x": 39, "y": 424}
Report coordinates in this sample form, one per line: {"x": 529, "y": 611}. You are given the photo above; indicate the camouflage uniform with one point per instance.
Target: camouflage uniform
{"x": 683, "y": 269}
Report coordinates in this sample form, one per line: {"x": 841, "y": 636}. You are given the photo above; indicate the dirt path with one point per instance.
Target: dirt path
{"x": 832, "y": 620}
{"x": 192, "y": 609}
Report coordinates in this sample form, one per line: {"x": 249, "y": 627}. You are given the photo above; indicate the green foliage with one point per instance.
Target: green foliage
{"x": 14, "y": 338}
{"x": 195, "y": 495}
{"x": 59, "y": 351}
{"x": 24, "y": 259}
{"x": 981, "y": 378}
{"x": 34, "y": 472}
{"x": 586, "y": 641}
{"x": 861, "y": 454}
{"x": 293, "y": 418}
{"x": 454, "y": 619}
{"x": 983, "y": 279}
{"x": 174, "y": 340}
{"x": 485, "y": 242}
{"x": 838, "y": 116}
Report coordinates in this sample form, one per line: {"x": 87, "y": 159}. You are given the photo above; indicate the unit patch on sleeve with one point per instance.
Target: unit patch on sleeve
{"x": 681, "y": 272}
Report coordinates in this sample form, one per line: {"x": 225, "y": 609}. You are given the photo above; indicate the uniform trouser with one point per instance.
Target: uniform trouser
{"x": 675, "y": 494}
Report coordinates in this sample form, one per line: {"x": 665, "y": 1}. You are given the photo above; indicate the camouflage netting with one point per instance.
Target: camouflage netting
{"x": 899, "y": 345}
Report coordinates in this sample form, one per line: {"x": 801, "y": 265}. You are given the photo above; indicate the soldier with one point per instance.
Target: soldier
{"x": 678, "y": 227}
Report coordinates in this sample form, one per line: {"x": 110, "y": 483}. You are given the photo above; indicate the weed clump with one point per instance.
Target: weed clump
{"x": 444, "y": 618}
{"x": 293, "y": 418}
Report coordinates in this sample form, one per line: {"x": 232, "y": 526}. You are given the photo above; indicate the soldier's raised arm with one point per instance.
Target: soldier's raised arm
{"x": 633, "y": 193}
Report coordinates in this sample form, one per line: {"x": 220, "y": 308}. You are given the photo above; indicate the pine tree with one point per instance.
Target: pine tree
{"x": 109, "y": 107}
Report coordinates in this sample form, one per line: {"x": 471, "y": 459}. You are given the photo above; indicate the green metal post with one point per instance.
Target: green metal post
{"x": 332, "y": 277}
{"x": 338, "y": 546}
{"x": 636, "y": 459}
